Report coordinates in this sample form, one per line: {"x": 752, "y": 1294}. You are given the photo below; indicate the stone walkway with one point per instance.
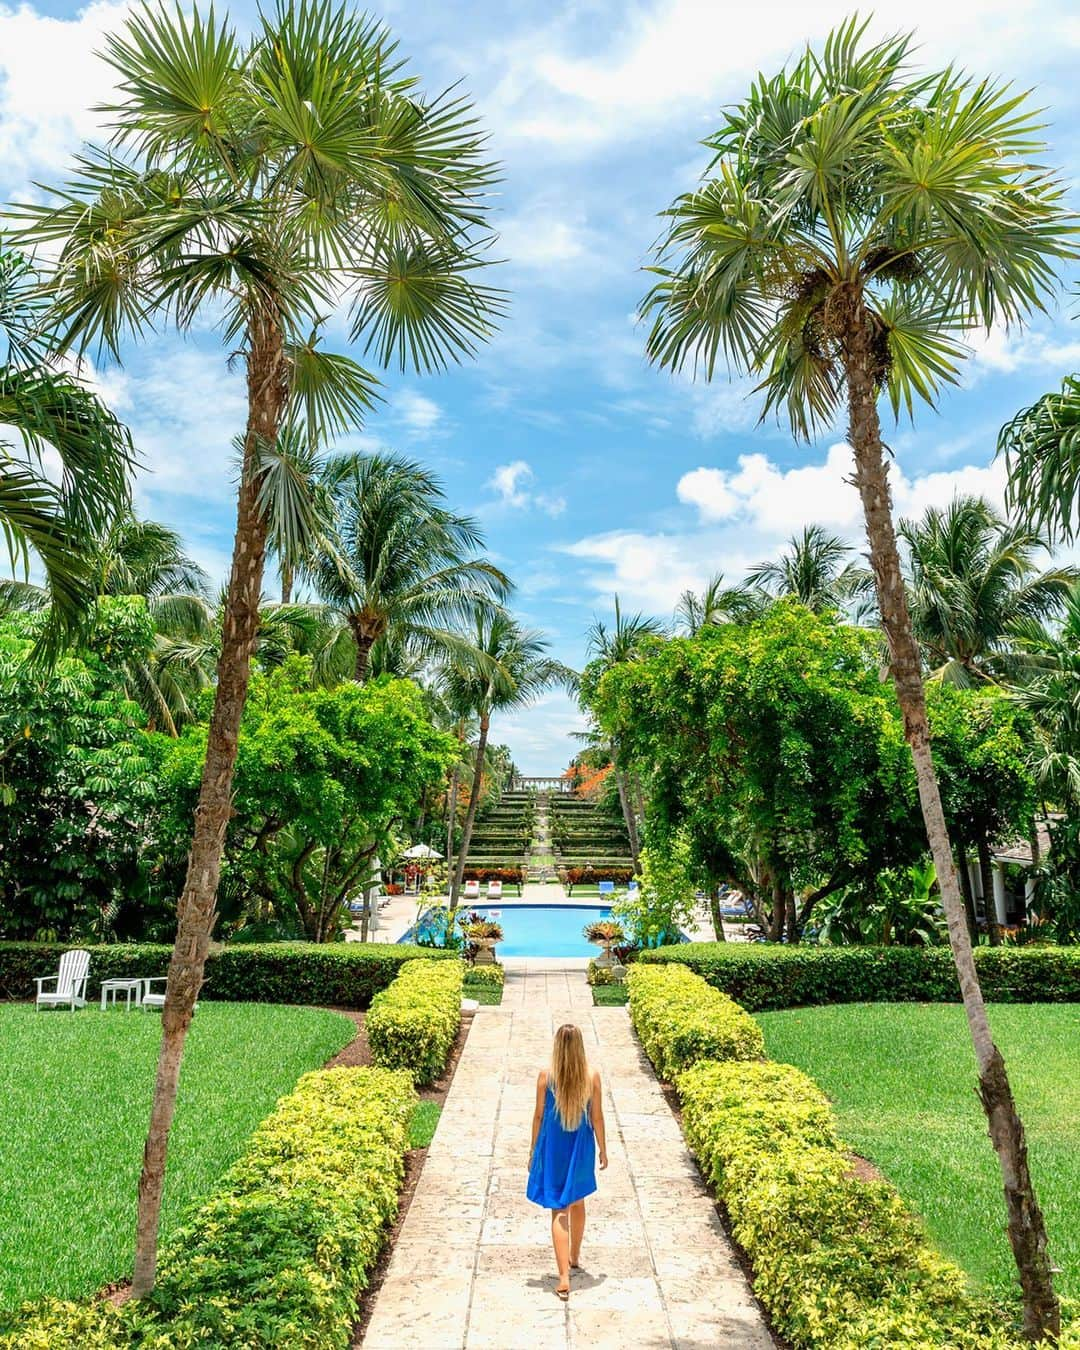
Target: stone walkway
{"x": 473, "y": 1265}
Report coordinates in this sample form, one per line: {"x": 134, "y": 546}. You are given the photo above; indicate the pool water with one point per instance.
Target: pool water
{"x": 533, "y": 930}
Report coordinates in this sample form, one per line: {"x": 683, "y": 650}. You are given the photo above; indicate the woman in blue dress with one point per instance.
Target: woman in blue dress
{"x": 567, "y": 1132}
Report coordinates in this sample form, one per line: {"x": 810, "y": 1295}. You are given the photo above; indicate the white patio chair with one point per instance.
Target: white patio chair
{"x": 152, "y": 999}
{"x": 494, "y": 890}
{"x": 472, "y": 890}
{"x": 70, "y": 982}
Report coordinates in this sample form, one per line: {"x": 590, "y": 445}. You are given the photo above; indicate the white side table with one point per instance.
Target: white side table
{"x": 111, "y": 988}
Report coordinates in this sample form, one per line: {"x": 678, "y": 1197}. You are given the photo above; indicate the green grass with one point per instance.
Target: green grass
{"x": 902, "y": 1078}
{"x": 488, "y": 995}
{"x": 422, "y": 1125}
{"x": 75, "y": 1093}
{"x": 609, "y": 995}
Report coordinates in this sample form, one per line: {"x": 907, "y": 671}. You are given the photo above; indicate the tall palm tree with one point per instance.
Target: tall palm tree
{"x": 48, "y": 409}
{"x": 396, "y": 563}
{"x": 508, "y": 668}
{"x": 817, "y": 569}
{"x": 1041, "y": 445}
{"x": 264, "y": 182}
{"x": 972, "y": 578}
{"x": 857, "y": 220}
{"x": 716, "y": 604}
{"x": 605, "y": 648}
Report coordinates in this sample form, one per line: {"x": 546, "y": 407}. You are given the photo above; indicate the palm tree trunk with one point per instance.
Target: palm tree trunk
{"x": 451, "y": 818}
{"x": 966, "y": 891}
{"x": 628, "y": 817}
{"x": 1027, "y": 1230}
{"x": 286, "y": 583}
{"x": 986, "y": 874}
{"x": 470, "y": 815}
{"x": 267, "y": 394}
{"x": 362, "y": 669}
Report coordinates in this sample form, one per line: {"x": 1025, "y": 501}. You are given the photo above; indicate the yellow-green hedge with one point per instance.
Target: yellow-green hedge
{"x": 840, "y": 1263}
{"x": 680, "y": 1020}
{"x": 276, "y": 1257}
{"x": 413, "y": 1024}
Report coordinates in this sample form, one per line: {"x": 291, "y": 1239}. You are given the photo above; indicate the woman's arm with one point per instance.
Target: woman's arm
{"x": 538, "y": 1112}
{"x": 597, "y": 1114}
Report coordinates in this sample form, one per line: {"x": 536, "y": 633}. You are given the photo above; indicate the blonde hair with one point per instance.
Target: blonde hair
{"x": 570, "y": 1078}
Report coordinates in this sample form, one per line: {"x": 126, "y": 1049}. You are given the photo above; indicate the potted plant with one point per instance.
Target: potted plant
{"x": 605, "y": 933}
{"x": 483, "y": 934}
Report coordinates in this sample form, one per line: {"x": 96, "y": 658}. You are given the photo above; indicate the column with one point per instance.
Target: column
{"x": 999, "y": 893}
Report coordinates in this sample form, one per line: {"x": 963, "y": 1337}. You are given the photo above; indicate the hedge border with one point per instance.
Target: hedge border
{"x": 278, "y": 1254}
{"x": 414, "y": 1023}
{"x": 345, "y": 974}
{"x": 766, "y": 978}
{"x": 680, "y": 1020}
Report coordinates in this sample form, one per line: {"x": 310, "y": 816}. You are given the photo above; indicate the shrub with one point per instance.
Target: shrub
{"x": 493, "y": 976}
{"x": 680, "y": 1019}
{"x": 346, "y": 975}
{"x": 603, "y": 930}
{"x": 413, "y": 1024}
{"x": 599, "y": 976}
{"x": 839, "y": 1263}
{"x": 763, "y": 977}
{"x": 276, "y": 1257}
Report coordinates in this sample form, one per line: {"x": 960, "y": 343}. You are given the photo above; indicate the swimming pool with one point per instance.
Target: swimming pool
{"x": 533, "y": 930}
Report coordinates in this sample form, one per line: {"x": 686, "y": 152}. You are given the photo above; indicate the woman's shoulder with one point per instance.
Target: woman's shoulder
{"x": 594, "y": 1076}
{"x": 542, "y": 1079}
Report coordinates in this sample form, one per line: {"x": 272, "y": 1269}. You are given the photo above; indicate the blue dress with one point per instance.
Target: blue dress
{"x": 564, "y": 1161}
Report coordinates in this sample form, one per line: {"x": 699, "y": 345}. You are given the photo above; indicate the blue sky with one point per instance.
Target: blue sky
{"x": 592, "y": 473}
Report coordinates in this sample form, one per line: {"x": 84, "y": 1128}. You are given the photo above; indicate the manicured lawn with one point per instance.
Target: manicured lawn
{"x": 609, "y": 995}
{"x": 902, "y": 1079}
{"x": 422, "y": 1125}
{"x": 75, "y": 1094}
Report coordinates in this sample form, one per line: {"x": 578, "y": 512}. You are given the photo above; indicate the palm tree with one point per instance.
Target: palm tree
{"x": 396, "y": 562}
{"x": 606, "y": 648}
{"x": 716, "y": 604}
{"x": 857, "y": 220}
{"x": 508, "y": 669}
{"x": 972, "y": 578}
{"x": 264, "y": 183}
{"x": 817, "y": 569}
{"x": 294, "y": 500}
{"x": 50, "y": 410}
{"x": 1042, "y": 449}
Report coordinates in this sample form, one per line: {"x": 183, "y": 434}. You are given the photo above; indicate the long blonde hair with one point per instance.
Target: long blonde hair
{"x": 570, "y": 1079}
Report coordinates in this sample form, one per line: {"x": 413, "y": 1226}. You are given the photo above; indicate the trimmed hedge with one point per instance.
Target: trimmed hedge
{"x": 764, "y": 977}
{"x": 276, "y": 1257}
{"x": 839, "y": 1263}
{"x": 343, "y": 974}
{"x": 413, "y": 1024}
{"x": 680, "y": 1020}
{"x": 492, "y": 977}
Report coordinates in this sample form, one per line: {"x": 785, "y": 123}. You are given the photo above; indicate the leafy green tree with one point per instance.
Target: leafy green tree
{"x": 775, "y": 750}
{"x": 665, "y": 899}
{"x": 78, "y": 785}
{"x": 857, "y": 220}
{"x": 982, "y": 745}
{"x": 972, "y": 578}
{"x": 396, "y": 564}
{"x": 263, "y": 183}
{"x": 326, "y": 779}
{"x": 816, "y": 569}
{"x": 48, "y": 410}
{"x": 506, "y": 667}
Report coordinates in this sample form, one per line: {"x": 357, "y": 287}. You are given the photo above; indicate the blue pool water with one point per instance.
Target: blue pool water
{"x": 534, "y": 930}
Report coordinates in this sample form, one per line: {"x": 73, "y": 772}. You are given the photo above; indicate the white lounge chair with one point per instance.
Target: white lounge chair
{"x": 152, "y": 999}
{"x": 472, "y": 890}
{"x": 70, "y": 982}
{"x": 494, "y": 890}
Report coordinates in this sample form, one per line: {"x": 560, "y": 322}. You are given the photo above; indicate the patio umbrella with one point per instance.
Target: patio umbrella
{"x": 421, "y": 851}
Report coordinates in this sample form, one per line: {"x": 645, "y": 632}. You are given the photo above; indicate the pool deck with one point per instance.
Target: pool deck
{"x": 473, "y": 1269}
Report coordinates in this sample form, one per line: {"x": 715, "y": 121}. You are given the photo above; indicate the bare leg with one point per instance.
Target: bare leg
{"x": 560, "y": 1240}
{"x": 577, "y": 1232}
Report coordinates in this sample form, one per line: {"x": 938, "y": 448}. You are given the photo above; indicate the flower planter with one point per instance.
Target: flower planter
{"x": 485, "y": 952}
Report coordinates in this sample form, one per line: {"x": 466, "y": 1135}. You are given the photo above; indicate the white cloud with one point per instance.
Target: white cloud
{"x": 418, "y": 413}
{"x": 50, "y": 80}
{"x": 512, "y": 484}
{"x": 1002, "y": 353}
{"x": 746, "y": 514}
{"x": 663, "y": 60}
